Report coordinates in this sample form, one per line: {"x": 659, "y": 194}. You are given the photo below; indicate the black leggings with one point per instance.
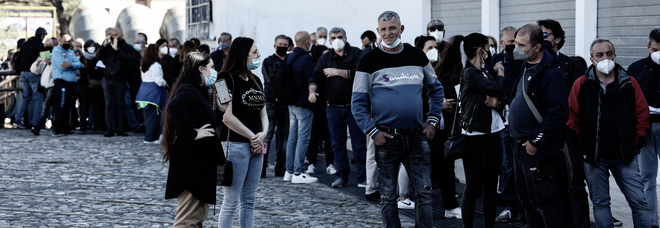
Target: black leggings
{"x": 482, "y": 164}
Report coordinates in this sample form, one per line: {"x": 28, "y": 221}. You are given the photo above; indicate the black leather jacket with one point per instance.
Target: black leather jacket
{"x": 475, "y": 115}
{"x": 121, "y": 63}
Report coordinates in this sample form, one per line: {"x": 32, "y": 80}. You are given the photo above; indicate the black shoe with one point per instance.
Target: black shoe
{"x": 373, "y": 196}
{"x": 338, "y": 183}
{"x": 263, "y": 171}
{"x": 139, "y": 129}
{"x": 121, "y": 133}
{"x": 18, "y": 125}
{"x": 279, "y": 173}
{"x": 109, "y": 134}
{"x": 35, "y": 131}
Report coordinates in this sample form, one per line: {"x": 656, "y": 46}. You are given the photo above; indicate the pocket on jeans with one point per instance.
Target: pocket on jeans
{"x": 545, "y": 186}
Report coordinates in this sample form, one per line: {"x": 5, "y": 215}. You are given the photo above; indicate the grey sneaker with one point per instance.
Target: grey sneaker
{"x": 506, "y": 216}
{"x": 338, "y": 183}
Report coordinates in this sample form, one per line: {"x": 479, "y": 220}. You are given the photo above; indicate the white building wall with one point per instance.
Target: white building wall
{"x": 263, "y": 20}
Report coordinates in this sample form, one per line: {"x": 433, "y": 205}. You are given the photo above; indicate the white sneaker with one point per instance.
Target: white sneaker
{"x": 311, "y": 169}
{"x": 287, "y": 176}
{"x": 454, "y": 213}
{"x": 303, "y": 178}
{"x": 405, "y": 204}
{"x": 331, "y": 170}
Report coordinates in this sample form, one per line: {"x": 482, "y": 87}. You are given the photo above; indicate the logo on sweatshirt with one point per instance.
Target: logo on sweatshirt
{"x": 401, "y": 77}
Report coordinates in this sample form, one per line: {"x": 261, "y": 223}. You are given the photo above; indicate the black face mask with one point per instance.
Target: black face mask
{"x": 66, "y": 46}
{"x": 509, "y": 48}
{"x": 547, "y": 45}
{"x": 49, "y": 48}
{"x": 281, "y": 51}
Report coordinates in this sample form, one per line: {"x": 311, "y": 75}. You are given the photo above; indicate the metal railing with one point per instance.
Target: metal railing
{"x": 9, "y": 86}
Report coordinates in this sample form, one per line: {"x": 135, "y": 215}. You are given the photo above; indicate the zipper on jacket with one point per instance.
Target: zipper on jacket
{"x": 619, "y": 97}
{"x": 598, "y": 124}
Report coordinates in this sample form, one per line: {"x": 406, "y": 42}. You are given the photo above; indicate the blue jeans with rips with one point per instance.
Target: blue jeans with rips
{"x": 245, "y": 178}
{"x": 648, "y": 166}
{"x": 413, "y": 151}
{"x": 338, "y": 119}
{"x": 628, "y": 179}
{"x": 300, "y": 127}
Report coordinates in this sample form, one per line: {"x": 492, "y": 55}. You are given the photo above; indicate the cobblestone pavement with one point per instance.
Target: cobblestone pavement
{"x": 86, "y": 180}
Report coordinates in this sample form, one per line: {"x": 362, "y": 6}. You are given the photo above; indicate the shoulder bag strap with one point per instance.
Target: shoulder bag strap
{"x": 233, "y": 86}
{"x": 531, "y": 105}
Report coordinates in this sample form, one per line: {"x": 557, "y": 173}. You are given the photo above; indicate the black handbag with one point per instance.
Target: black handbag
{"x": 225, "y": 172}
{"x": 457, "y": 144}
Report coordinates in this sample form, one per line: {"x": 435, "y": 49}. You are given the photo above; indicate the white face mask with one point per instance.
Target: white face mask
{"x": 338, "y": 45}
{"x": 432, "y": 55}
{"x": 605, "y": 66}
{"x": 173, "y": 51}
{"x": 492, "y": 51}
{"x": 138, "y": 47}
{"x": 320, "y": 41}
{"x": 655, "y": 56}
{"x": 163, "y": 50}
{"x": 438, "y": 35}
{"x": 91, "y": 49}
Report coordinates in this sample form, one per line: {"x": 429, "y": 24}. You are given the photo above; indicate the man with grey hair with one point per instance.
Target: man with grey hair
{"x": 220, "y": 55}
{"x": 387, "y": 105}
{"x": 322, "y": 37}
{"x": 333, "y": 79}
{"x": 537, "y": 123}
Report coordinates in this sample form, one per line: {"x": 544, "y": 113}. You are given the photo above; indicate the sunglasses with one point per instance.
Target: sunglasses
{"x": 546, "y": 34}
{"x": 433, "y": 29}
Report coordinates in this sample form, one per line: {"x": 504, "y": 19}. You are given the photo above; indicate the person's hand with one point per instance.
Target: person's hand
{"x": 222, "y": 107}
{"x": 499, "y": 68}
{"x": 382, "y": 137}
{"x": 47, "y": 61}
{"x": 448, "y": 105}
{"x": 531, "y": 150}
{"x": 429, "y": 130}
{"x": 330, "y": 72}
{"x": 257, "y": 141}
{"x": 38, "y": 60}
{"x": 312, "y": 97}
{"x": 115, "y": 43}
{"x": 204, "y": 131}
{"x": 66, "y": 65}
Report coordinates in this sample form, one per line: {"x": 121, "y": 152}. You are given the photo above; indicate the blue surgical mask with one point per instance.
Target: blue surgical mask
{"x": 396, "y": 43}
{"x": 222, "y": 46}
{"x": 211, "y": 78}
{"x": 255, "y": 64}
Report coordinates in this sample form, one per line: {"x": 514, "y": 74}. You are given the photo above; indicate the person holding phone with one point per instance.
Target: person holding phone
{"x": 191, "y": 145}
{"x": 245, "y": 128}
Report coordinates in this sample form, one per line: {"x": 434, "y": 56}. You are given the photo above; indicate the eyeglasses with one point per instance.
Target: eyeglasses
{"x": 223, "y": 39}
{"x": 433, "y": 29}
{"x": 546, "y": 34}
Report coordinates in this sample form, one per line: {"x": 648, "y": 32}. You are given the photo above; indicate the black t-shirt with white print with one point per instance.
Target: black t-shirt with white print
{"x": 247, "y": 101}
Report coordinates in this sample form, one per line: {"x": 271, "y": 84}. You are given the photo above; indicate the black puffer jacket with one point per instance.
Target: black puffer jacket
{"x": 475, "y": 115}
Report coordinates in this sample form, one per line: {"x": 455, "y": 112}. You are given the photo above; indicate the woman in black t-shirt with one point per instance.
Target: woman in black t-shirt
{"x": 246, "y": 124}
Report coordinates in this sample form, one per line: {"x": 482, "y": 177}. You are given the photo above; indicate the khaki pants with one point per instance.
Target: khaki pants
{"x": 190, "y": 212}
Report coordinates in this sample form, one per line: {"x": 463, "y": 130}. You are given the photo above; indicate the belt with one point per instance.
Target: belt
{"x": 521, "y": 140}
{"x": 655, "y": 118}
{"x": 340, "y": 106}
{"x": 397, "y": 131}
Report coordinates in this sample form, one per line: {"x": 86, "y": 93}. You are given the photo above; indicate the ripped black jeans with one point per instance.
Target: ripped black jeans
{"x": 411, "y": 149}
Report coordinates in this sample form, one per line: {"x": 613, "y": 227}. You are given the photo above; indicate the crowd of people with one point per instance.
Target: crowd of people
{"x": 540, "y": 126}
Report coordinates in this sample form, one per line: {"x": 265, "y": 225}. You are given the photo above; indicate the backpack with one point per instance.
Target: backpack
{"x": 284, "y": 85}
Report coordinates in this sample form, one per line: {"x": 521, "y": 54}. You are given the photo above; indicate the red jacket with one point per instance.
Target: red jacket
{"x": 632, "y": 114}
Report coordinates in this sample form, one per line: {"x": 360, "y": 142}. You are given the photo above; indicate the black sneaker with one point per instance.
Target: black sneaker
{"x": 373, "y": 196}
{"x": 109, "y": 133}
{"x": 121, "y": 133}
{"x": 35, "y": 131}
{"x": 18, "y": 125}
{"x": 617, "y": 222}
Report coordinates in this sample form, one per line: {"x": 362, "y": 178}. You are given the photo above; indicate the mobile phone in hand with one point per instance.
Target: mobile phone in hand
{"x": 264, "y": 148}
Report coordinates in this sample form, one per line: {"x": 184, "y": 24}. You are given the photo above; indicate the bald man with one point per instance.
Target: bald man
{"x": 300, "y": 112}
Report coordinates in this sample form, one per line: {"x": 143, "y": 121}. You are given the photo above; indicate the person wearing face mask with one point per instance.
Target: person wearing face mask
{"x": 91, "y": 91}
{"x": 539, "y": 162}
{"x": 220, "y": 54}
{"x": 387, "y": 105}
{"x": 44, "y": 68}
{"x": 190, "y": 142}
{"x": 120, "y": 61}
{"x": 322, "y": 45}
{"x": 609, "y": 117}
{"x": 335, "y": 71}
{"x": 244, "y": 130}
{"x": 647, "y": 72}
{"x": 151, "y": 96}
{"x": 172, "y": 62}
{"x": 64, "y": 63}
{"x": 553, "y": 32}
{"x": 300, "y": 112}
{"x": 278, "y": 113}
{"x": 163, "y": 50}
{"x": 481, "y": 121}
{"x": 436, "y": 29}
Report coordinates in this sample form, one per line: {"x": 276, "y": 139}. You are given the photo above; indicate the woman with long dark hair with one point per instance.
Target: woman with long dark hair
{"x": 190, "y": 143}
{"x": 480, "y": 120}
{"x": 151, "y": 96}
{"x": 246, "y": 126}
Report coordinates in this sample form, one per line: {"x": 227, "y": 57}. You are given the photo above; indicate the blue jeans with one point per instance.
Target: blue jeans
{"x": 413, "y": 151}
{"x": 338, "y": 119}
{"x": 152, "y": 123}
{"x": 32, "y": 99}
{"x": 278, "y": 116}
{"x": 300, "y": 127}
{"x": 507, "y": 186}
{"x": 630, "y": 184}
{"x": 648, "y": 166}
{"x": 245, "y": 178}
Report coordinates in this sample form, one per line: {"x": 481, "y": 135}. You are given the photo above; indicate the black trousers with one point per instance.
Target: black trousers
{"x": 442, "y": 171}
{"x": 482, "y": 163}
{"x": 63, "y": 99}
